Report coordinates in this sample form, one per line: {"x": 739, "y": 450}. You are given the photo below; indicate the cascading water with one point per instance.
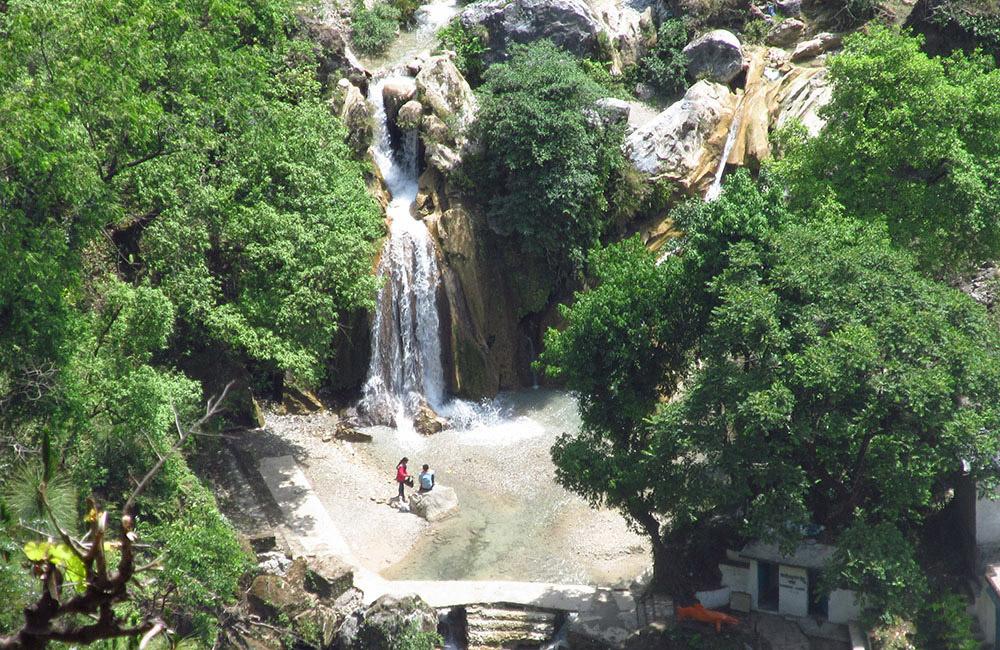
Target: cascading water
{"x": 715, "y": 190}
{"x": 405, "y": 368}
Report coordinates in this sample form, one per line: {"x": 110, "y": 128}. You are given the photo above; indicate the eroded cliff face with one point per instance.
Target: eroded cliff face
{"x": 487, "y": 343}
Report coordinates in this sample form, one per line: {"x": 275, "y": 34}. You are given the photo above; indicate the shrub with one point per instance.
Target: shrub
{"x": 372, "y": 30}
{"x": 469, "y": 46}
{"x": 546, "y": 161}
{"x": 407, "y": 10}
{"x": 944, "y": 623}
{"x": 665, "y": 65}
{"x": 755, "y": 31}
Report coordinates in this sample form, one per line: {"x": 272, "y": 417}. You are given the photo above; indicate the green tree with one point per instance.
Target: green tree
{"x": 665, "y": 65}
{"x": 814, "y": 376}
{"x": 372, "y": 30}
{"x": 546, "y": 159}
{"x": 910, "y": 143}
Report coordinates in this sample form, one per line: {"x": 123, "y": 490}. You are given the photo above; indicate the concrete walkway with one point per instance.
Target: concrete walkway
{"x": 313, "y": 532}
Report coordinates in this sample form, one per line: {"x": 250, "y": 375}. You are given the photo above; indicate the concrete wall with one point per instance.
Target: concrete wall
{"x": 793, "y": 590}
{"x": 735, "y": 577}
{"x": 752, "y": 584}
{"x": 986, "y": 613}
{"x": 987, "y": 521}
{"x": 843, "y": 606}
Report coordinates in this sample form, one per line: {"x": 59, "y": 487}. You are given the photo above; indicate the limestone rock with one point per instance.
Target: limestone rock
{"x": 438, "y": 504}
{"x": 427, "y": 422}
{"x": 789, "y": 7}
{"x": 395, "y": 93}
{"x": 347, "y": 432}
{"x": 815, "y": 46}
{"x": 786, "y": 33}
{"x": 357, "y": 115}
{"x": 716, "y": 56}
{"x": 333, "y": 53}
{"x": 614, "y": 111}
{"x": 800, "y": 95}
{"x": 570, "y": 24}
{"x": 382, "y": 625}
{"x": 683, "y": 143}
{"x": 409, "y": 115}
{"x": 442, "y": 88}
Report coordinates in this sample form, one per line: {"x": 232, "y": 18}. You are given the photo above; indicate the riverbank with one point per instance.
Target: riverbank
{"x": 514, "y": 521}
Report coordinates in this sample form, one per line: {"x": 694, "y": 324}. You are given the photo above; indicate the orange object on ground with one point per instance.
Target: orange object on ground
{"x": 699, "y": 613}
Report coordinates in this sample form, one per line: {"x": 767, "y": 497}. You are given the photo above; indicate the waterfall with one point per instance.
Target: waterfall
{"x": 405, "y": 370}
{"x": 716, "y": 188}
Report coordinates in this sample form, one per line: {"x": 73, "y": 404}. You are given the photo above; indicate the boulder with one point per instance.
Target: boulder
{"x": 613, "y": 110}
{"x": 786, "y": 33}
{"x": 716, "y": 56}
{"x": 327, "y": 577}
{"x": 395, "y": 93}
{"x": 441, "y": 88}
{"x": 409, "y": 115}
{"x": 384, "y": 625}
{"x": 347, "y": 432}
{"x": 789, "y": 7}
{"x": 357, "y": 115}
{"x": 427, "y": 422}
{"x": 570, "y": 24}
{"x": 815, "y": 46}
{"x": 299, "y": 401}
{"x": 438, "y": 504}
{"x": 683, "y": 143}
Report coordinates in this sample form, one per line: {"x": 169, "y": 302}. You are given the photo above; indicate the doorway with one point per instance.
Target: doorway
{"x": 767, "y": 586}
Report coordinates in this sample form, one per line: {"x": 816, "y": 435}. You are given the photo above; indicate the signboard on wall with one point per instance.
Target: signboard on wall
{"x": 793, "y": 590}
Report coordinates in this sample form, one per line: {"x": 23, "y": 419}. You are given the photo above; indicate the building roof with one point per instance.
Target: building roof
{"x": 809, "y": 554}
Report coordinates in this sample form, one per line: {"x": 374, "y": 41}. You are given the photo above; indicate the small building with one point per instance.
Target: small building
{"x": 980, "y": 539}
{"x": 788, "y": 585}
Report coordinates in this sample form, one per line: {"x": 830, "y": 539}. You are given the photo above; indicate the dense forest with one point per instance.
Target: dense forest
{"x": 189, "y": 230}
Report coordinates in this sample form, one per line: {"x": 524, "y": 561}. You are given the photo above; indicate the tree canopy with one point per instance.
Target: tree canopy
{"x": 776, "y": 374}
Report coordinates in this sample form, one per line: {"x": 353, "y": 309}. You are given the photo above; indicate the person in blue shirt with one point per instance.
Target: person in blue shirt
{"x": 427, "y": 479}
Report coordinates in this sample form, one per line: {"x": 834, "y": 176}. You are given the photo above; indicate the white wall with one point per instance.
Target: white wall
{"x": 986, "y": 613}
{"x": 736, "y": 577}
{"x": 987, "y": 521}
{"x": 843, "y": 606}
{"x": 793, "y": 590}
{"x": 752, "y": 583}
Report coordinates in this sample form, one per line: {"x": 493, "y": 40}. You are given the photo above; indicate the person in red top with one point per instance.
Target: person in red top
{"x": 401, "y": 476}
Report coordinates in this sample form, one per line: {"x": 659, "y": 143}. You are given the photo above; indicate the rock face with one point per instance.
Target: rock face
{"x": 815, "y": 46}
{"x": 356, "y": 114}
{"x": 570, "y": 24}
{"x": 449, "y": 107}
{"x": 333, "y": 54}
{"x": 384, "y": 625}
{"x": 716, "y": 56}
{"x": 682, "y": 144}
{"x": 786, "y": 33}
{"x": 438, "y": 504}
{"x": 410, "y": 115}
{"x": 396, "y": 93}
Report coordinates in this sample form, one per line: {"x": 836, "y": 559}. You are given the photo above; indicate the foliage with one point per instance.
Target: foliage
{"x": 546, "y": 159}
{"x": 755, "y": 31}
{"x": 613, "y": 85}
{"x": 909, "y": 143}
{"x": 979, "y": 19}
{"x": 16, "y": 584}
{"x": 204, "y": 561}
{"x": 827, "y": 379}
{"x": 407, "y": 10}
{"x": 173, "y": 180}
{"x": 850, "y": 13}
{"x": 407, "y": 637}
{"x": 372, "y": 30}
{"x": 702, "y": 15}
{"x": 664, "y": 66}
{"x": 469, "y": 45}
{"x": 944, "y": 622}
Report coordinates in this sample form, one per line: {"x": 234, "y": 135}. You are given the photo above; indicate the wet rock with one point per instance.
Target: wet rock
{"x": 815, "y": 46}
{"x": 409, "y": 115}
{"x": 347, "y": 432}
{"x": 716, "y": 56}
{"x": 683, "y": 143}
{"x": 440, "y": 503}
{"x": 570, "y": 24}
{"x": 357, "y": 115}
{"x": 786, "y": 33}
{"x": 427, "y": 422}
{"x": 395, "y": 93}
